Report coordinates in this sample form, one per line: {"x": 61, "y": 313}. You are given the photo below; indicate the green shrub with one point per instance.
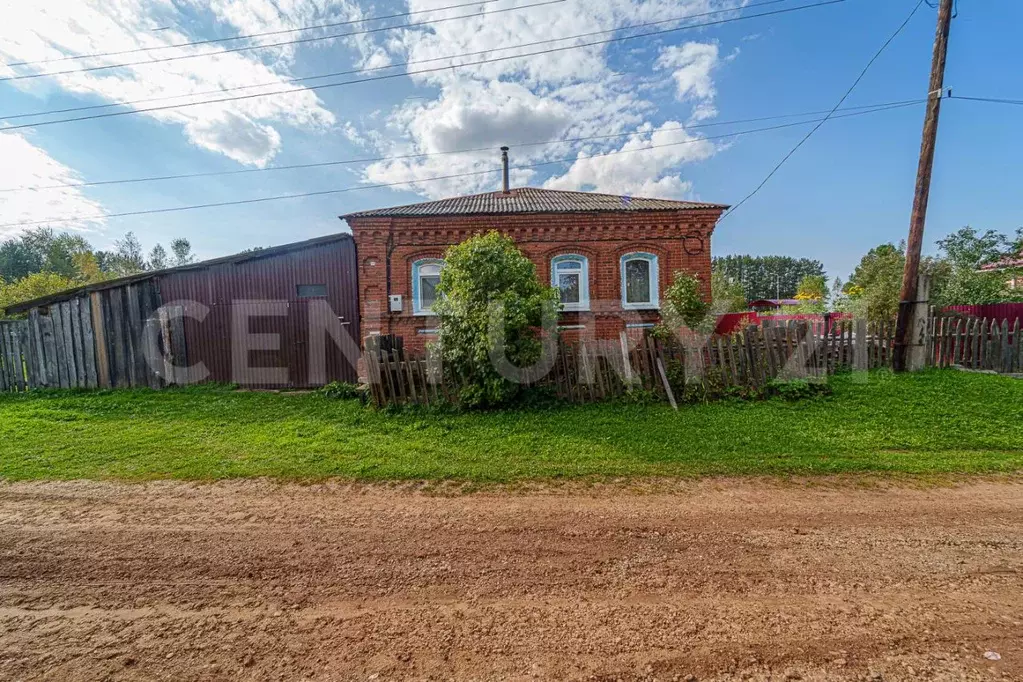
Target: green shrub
{"x": 684, "y": 305}
{"x": 488, "y": 285}
{"x": 341, "y": 390}
{"x": 798, "y": 389}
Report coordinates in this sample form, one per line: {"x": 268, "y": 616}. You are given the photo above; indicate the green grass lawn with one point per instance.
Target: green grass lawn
{"x": 937, "y": 422}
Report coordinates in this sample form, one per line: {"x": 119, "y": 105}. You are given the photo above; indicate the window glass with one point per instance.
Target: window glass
{"x": 426, "y": 277}
{"x": 637, "y": 281}
{"x": 569, "y": 275}
{"x": 312, "y": 290}
{"x": 568, "y": 283}
{"x": 428, "y": 290}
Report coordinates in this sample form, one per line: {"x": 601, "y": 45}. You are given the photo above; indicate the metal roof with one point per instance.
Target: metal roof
{"x": 1004, "y": 264}
{"x": 244, "y": 256}
{"x": 532, "y": 200}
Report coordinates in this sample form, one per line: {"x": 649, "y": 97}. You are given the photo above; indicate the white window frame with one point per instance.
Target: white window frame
{"x": 417, "y": 301}
{"x": 654, "y": 303}
{"x": 584, "y": 280}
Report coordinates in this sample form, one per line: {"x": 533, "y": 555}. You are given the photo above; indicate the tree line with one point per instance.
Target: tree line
{"x": 873, "y": 288}
{"x": 41, "y": 262}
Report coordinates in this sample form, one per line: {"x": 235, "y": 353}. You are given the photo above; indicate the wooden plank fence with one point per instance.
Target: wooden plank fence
{"x": 98, "y": 340}
{"x": 980, "y": 344}
{"x": 594, "y": 370}
{"x": 102, "y": 340}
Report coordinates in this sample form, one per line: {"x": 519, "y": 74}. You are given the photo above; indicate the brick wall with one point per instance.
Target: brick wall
{"x": 387, "y": 247}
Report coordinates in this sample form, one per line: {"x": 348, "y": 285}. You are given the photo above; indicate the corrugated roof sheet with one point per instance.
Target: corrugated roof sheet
{"x": 244, "y": 256}
{"x": 1004, "y": 264}
{"x": 532, "y": 200}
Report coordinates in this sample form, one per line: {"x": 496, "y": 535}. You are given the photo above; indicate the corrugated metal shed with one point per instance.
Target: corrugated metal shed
{"x": 281, "y": 291}
{"x": 533, "y": 200}
{"x": 269, "y": 287}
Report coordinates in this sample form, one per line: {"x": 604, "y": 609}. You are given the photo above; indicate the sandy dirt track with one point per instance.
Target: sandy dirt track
{"x": 711, "y": 580}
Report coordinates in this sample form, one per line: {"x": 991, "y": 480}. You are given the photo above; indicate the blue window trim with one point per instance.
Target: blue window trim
{"x": 417, "y": 308}
{"x": 584, "y": 280}
{"x": 655, "y": 297}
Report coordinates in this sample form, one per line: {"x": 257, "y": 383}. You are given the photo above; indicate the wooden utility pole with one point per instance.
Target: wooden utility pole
{"x": 908, "y": 297}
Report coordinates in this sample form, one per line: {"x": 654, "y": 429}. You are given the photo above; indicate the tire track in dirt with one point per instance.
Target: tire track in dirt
{"x": 712, "y": 580}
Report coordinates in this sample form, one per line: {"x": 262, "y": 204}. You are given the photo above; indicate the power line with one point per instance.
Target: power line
{"x": 571, "y": 159}
{"x": 994, "y": 100}
{"x": 70, "y": 185}
{"x": 265, "y": 46}
{"x": 246, "y": 36}
{"x": 220, "y": 91}
{"x": 817, "y": 127}
{"x": 422, "y": 71}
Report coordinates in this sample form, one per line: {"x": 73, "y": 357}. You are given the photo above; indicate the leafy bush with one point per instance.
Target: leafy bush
{"x": 341, "y": 390}
{"x": 726, "y": 293}
{"x": 33, "y": 286}
{"x": 488, "y": 285}
{"x": 684, "y": 304}
{"x": 799, "y": 389}
{"x": 641, "y": 396}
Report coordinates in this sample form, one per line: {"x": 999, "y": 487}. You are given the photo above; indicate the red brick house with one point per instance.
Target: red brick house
{"x": 586, "y": 244}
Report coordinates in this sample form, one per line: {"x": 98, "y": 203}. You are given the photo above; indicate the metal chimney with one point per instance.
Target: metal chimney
{"x": 504, "y": 165}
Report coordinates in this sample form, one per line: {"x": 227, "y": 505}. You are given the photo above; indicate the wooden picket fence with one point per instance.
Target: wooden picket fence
{"x": 980, "y": 344}
{"x": 590, "y": 371}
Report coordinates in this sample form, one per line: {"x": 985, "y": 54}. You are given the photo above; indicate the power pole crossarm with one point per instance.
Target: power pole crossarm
{"x": 914, "y": 246}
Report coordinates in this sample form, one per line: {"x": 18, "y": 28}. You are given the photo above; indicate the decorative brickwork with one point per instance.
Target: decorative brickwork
{"x": 387, "y": 247}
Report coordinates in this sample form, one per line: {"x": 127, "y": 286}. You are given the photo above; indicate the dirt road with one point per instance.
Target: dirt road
{"x": 711, "y": 580}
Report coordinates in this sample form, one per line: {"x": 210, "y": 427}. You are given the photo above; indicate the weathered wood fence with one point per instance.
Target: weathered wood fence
{"x": 977, "y": 344}
{"x": 590, "y": 371}
{"x": 98, "y": 340}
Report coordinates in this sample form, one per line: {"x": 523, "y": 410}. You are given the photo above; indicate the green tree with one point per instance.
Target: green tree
{"x": 873, "y": 288}
{"x": 18, "y": 259}
{"x": 967, "y": 248}
{"x": 767, "y": 276}
{"x": 956, "y": 277}
{"x": 34, "y": 286}
{"x": 812, "y": 294}
{"x": 88, "y": 268}
{"x": 127, "y": 258}
{"x": 157, "y": 258}
{"x": 727, "y": 295}
{"x": 683, "y": 303}
{"x": 41, "y": 250}
{"x": 182, "y": 250}
{"x": 486, "y": 283}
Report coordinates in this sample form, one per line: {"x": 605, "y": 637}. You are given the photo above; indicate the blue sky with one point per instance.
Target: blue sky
{"x": 848, "y": 189}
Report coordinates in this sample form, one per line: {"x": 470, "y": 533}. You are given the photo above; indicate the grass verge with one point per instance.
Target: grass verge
{"x": 938, "y": 422}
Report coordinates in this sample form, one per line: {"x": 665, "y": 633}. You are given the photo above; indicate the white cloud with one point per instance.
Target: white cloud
{"x": 25, "y": 165}
{"x": 567, "y": 94}
{"x": 692, "y": 65}
{"x": 633, "y": 171}
{"x": 242, "y": 130}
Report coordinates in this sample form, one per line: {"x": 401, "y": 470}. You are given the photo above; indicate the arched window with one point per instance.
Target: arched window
{"x": 639, "y": 281}
{"x": 425, "y": 278}
{"x": 570, "y": 274}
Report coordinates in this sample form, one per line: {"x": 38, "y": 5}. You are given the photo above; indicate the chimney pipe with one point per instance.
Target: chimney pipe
{"x": 504, "y": 164}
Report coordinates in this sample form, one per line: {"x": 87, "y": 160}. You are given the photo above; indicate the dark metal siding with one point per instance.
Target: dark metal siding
{"x": 274, "y": 278}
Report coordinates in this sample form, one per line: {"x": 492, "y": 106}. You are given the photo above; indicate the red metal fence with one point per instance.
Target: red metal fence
{"x": 729, "y": 323}
{"x": 991, "y": 311}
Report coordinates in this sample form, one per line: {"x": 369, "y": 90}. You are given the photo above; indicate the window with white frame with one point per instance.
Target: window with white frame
{"x": 425, "y": 278}
{"x": 570, "y": 274}
{"x": 639, "y": 281}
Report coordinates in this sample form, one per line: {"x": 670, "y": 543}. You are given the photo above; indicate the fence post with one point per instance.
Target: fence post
{"x": 916, "y": 354}
{"x": 860, "y": 346}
